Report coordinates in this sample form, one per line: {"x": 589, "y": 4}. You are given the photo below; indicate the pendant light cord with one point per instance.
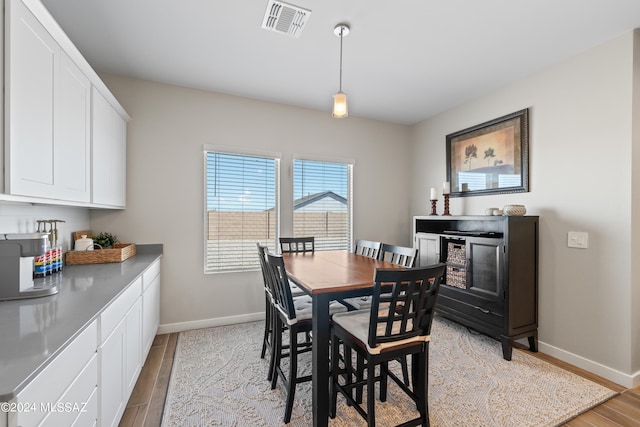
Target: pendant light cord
{"x": 341, "y": 30}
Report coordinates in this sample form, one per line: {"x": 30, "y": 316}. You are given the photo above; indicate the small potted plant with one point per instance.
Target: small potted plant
{"x": 105, "y": 240}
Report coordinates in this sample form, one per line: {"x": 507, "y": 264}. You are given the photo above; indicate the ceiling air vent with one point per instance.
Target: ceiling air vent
{"x": 285, "y": 18}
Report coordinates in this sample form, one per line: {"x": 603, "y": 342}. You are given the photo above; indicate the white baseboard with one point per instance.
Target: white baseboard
{"x": 208, "y": 323}
{"x": 625, "y": 380}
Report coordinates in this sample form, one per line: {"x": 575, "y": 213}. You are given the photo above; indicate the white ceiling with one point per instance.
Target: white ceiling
{"x": 404, "y": 61}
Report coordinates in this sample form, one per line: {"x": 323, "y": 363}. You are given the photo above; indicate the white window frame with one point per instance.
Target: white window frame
{"x": 351, "y": 166}
{"x": 272, "y": 244}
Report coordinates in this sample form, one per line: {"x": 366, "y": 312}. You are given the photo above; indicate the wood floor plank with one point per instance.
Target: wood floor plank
{"x": 622, "y": 407}
{"x": 160, "y": 340}
{"x": 612, "y": 414}
{"x": 591, "y": 419}
{"x": 141, "y": 416}
{"x": 156, "y": 405}
{"x": 129, "y": 416}
{"x": 170, "y": 347}
{"x": 147, "y": 380}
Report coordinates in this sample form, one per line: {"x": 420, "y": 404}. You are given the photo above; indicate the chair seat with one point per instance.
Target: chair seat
{"x": 303, "y": 307}
{"x": 296, "y": 290}
{"x": 356, "y": 323}
{"x": 359, "y": 303}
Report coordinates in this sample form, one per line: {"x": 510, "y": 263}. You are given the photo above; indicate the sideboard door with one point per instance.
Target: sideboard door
{"x": 428, "y": 246}
{"x": 485, "y": 267}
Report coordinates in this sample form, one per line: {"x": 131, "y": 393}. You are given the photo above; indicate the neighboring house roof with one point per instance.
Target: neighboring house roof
{"x": 312, "y": 198}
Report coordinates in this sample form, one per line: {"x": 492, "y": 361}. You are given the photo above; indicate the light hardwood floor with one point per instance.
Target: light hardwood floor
{"x": 146, "y": 403}
{"x": 147, "y": 400}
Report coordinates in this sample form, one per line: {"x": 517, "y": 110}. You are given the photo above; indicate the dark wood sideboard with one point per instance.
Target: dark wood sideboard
{"x": 491, "y": 279}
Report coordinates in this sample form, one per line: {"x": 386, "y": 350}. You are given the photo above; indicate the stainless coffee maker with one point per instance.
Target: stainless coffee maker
{"x": 17, "y": 252}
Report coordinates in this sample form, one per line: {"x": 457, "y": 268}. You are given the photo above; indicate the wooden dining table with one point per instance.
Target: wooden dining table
{"x": 326, "y": 276}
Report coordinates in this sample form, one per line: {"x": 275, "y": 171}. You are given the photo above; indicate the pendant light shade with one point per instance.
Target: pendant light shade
{"x": 340, "y": 105}
{"x": 340, "y": 99}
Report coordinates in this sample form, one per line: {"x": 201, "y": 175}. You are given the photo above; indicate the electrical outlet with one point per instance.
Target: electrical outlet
{"x": 578, "y": 239}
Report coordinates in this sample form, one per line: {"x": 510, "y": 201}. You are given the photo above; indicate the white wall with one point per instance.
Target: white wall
{"x": 166, "y": 134}
{"x": 580, "y": 179}
{"x": 635, "y": 212}
{"x": 21, "y": 218}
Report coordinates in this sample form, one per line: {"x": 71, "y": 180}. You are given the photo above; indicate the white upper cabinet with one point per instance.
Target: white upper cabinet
{"x": 31, "y": 73}
{"x": 50, "y": 91}
{"x": 72, "y": 133}
{"x": 109, "y": 154}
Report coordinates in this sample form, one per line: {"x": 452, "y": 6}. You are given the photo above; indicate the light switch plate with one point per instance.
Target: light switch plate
{"x": 578, "y": 239}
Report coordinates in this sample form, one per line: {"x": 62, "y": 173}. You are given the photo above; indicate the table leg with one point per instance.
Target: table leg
{"x": 320, "y": 370}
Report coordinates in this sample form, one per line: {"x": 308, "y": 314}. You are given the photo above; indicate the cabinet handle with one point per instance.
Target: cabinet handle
{"x": 485, "y": 311}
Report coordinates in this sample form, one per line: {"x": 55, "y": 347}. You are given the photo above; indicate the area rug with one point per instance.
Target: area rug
{"x": 218, "y": 379}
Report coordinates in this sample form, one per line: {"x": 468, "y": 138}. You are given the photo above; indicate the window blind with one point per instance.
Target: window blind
{"x": 322, "y": 205}
{"x": 241, "y": 209}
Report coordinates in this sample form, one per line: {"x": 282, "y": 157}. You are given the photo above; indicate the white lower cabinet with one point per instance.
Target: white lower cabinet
{"x": 120, "y": 353}
{"x": 89, "y": 383}
{"x": 150, "y": 305}
{"x": 61, "y": 393}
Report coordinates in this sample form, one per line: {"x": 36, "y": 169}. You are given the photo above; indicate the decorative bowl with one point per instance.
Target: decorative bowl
{"x": 514, "y": 210}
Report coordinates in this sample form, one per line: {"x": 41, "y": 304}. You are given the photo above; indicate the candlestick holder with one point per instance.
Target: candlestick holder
{"x": 446, "y": 205}
{"x": 433, "y": 207}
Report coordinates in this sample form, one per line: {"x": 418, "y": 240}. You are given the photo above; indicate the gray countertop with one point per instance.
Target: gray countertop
{"x": 34, "y": 331}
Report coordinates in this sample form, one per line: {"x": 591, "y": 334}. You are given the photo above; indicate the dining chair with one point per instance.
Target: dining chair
{"x": 297, "y": 244}
{"x": 397, "y": 325}
{"x": 294, "y": 245}
{"x": 367, "y": 248}
{"x": 295, "y": 315}
{"x": 269, "y": 307}
{"x": 399, "y": 255}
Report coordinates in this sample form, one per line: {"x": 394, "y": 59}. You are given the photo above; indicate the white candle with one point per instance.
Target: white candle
{"x": 434, "y": 194}
{"x": 446, "y": 188}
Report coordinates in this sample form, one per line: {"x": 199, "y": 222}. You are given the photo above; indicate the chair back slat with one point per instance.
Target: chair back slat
{"x": 403, "y": 303}
{"x": 280, "y": 285}
{"x": 367, "y": 248}
{"x": 399, "y": 255}
{"x": 262, "y": 255}
{"x": 297, "y": 244}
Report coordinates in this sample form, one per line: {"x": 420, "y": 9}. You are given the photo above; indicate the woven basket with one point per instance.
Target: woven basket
{"x": 457, "y": 253}
{"x": 514, "y": 210}
{"x": 456, "y": 277}
{"x": 119, "y": 253}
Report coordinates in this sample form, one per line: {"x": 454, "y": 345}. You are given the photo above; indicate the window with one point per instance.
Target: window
{"x": 241, "y": 209}
{"x": 322, "y": 205}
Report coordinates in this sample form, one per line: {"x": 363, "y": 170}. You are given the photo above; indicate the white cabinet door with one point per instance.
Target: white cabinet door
{"x": 32, "y": 57}
{"x": 49, "y": 114}
{"x": 108, "y": 158}
{"x": 151, "y": 313}
{"x": 112, "y": 389}
{"x": 72, "y": 133}
{"x": 120, "y": 353}
{"x": 133, "y": 347}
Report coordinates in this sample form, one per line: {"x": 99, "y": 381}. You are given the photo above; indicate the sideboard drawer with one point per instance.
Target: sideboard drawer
{"x": 482, "y": 315}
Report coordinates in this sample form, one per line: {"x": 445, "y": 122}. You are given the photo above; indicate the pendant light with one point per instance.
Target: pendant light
{"x": 340, "y": 98}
